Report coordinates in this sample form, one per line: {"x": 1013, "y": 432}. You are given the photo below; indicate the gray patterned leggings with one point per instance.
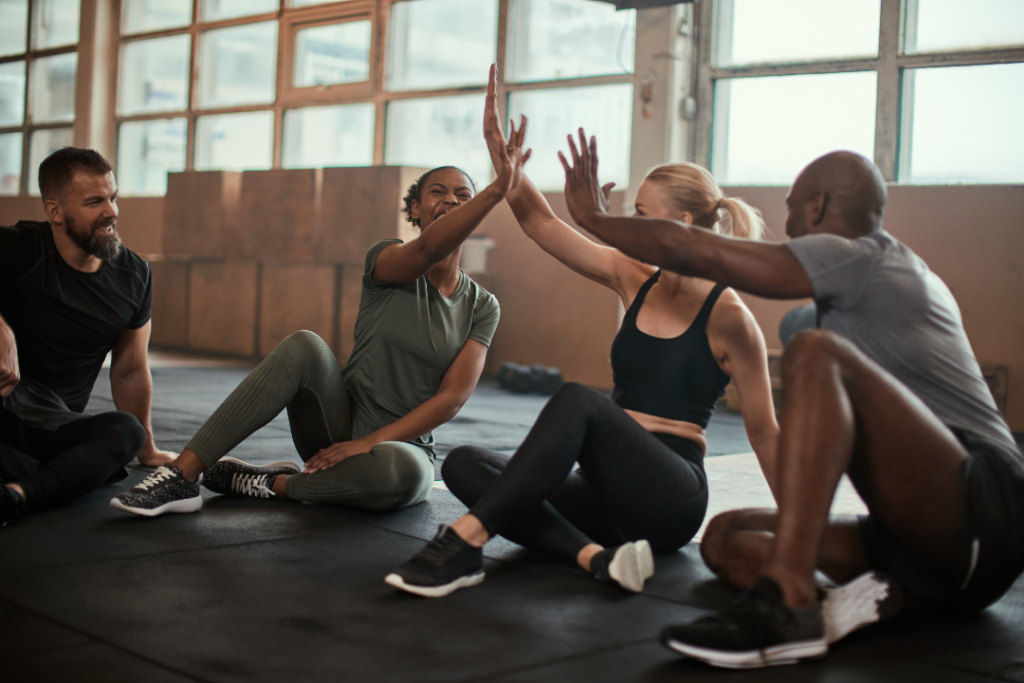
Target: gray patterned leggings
{"x": 302, "y": 376}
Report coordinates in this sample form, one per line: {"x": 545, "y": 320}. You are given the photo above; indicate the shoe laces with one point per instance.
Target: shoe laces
{"x": 441, "y": 548}
{"x": 161, "y": 475}
{"x": 254, "y": 485}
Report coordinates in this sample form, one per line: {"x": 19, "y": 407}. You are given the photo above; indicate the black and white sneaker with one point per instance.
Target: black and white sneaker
{"x": 442, "y": 566}
{"x": 756, "y": 629}
{"x": 166, "y": 490}
{"x": 232, "y": 477}
{"x": 870, "y": 598}
{"x": 627, "y": 565}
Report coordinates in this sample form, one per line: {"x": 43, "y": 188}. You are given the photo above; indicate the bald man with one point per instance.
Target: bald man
{"x": 887, "y": 391}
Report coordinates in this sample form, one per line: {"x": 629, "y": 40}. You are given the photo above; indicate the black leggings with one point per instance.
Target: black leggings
{"x": 56, "y": 465}
{"x": 631, "y": 483}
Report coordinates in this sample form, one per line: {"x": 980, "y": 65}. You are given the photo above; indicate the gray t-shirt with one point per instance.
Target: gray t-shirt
{"x": 880, "y": 295}
{"x": 406, "y": 337}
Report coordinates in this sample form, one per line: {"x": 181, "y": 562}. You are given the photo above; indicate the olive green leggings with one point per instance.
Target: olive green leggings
{"x": 302, "y": 376}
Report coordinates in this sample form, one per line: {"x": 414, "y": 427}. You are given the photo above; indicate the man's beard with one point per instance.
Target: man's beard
{"x": 103, "y": 247}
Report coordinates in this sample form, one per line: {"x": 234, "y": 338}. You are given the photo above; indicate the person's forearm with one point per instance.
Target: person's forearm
{"x": 765, "y": 450}
{"x": 133, "y": 393}
{"x": 663, "y": 243}
{"x": 451, "y": 230}
{"x": 530, "y": 207}
{"x": 426, "y": 417}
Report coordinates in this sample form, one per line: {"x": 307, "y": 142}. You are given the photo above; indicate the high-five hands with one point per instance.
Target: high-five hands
{"x": 507, "y": 157}
{"x": 584, "y": 194}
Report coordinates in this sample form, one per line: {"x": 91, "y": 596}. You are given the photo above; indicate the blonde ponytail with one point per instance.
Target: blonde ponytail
{"x": 694, "y": 190}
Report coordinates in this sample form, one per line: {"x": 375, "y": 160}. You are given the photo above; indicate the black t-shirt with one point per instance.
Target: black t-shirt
{"x": 65, "y": 321}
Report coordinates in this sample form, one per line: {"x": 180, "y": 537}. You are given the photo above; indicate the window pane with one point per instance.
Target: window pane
{"x": 215, "y": 10}
{"x": 962, "y": 125}
{"x": 329, "y": 136}
{"x": 44, "y": 143}
{"x": 441, "y": 43}
{"x": 146, "y": 152}
{"x": 549, "y": 39}
{"x": 767, "y": 129}
{"x": 53, "y": 88}
{"x": 755, "y": 31}
{"x": 238, "y": 65}
{"x": 154, "y": 75}
{"x": 55, "y": 23}
{"x": 605, "y": 111}
{"x": 10, "y": 163}
{"x": 339, "y": 53}
{"x": 439, "y": 131}
{"x": 12, "y": 93}
{"x": 13, "y": 26}
{"x": 235, "y": 142}
{"x": 152, "y": 15}
{"x": 307, "y": 3}
{"x": 934, "y": 25}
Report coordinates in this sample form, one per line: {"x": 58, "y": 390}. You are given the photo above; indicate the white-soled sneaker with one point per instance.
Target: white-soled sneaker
{"x": 232, "y": 477}
{"x": 870, "y": 598}
{"x": 165, "y": 490}
{"x": 629, "y": 565}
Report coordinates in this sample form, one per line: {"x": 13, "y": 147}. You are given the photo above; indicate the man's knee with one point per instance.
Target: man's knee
{"x": 121, "y": 433}
{"x": 811, "y": 349}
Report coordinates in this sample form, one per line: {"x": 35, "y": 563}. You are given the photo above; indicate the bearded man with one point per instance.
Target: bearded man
{"x": 69, "y": 294}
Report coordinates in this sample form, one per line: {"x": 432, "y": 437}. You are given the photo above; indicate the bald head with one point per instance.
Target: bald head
{"x": 842, "y": 193}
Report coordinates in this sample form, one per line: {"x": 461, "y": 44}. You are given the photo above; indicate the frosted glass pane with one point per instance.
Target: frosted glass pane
{"x": 10, "y": 163}
{"x": 152, "y": 15}
{"x": 13, "y": 26}
{"x": 338, "y": 53}
{"x": 441, "y": 43}
{"x": 154, "y": 75}
{"x": 146, "y": 152}
{"x": 307, "y": 3}
{"x": 767, "y": 129}
{"x": 605, "y": 111}
{"x": 53, "y": 88}
{"x": 551, "y": 39}
{"x": 439, "y": 131}
{"x": 339, "y": 135}
{"x": 963, "y": 125}
{"x": 235, "y": 142}
{"x": 936, "y": 25}
{"x": 759, "y": 31}
{"x": 55, "y": 23}
{"x": 12, "y": 93}
{"x": 43, "y": 144}
{"x": 238, "y": 65}
{"x": 215, "y": 10}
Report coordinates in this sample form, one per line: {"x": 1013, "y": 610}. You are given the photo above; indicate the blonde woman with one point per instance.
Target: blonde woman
{"x": 640, "y": 485}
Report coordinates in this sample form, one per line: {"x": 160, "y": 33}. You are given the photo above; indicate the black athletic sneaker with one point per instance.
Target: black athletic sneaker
{"x": 757, "y": 629}
{"x": 445, "y": 564}
{"x": 871, "y": 597}
{"x": 166, "y": 490}
{"x": 627, "y": 565}
{"x": 10, "y": 505}
{"x": 232, "y": 477}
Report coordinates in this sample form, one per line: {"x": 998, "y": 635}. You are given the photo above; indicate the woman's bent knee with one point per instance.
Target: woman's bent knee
{"x": 303, "y": 343}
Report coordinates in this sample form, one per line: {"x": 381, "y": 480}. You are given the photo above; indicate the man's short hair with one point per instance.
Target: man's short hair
{"x": 57, "y": 170}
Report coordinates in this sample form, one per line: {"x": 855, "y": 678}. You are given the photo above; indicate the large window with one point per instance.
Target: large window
{"x": 38, "y": 72}
{"x": 930, "y": 89}
{"x": 255, "y": 84}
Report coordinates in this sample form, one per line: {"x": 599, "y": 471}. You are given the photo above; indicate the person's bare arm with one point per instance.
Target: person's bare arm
{"x": 739, "y": 345}
{"x": 10, "y": 373}
{"x": 768, "y": 270}
{"x": 131, "y": 385}
{"x": 456, "y": 387}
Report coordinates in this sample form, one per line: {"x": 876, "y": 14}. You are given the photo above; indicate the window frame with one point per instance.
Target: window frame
{"x": 891, "y": 65}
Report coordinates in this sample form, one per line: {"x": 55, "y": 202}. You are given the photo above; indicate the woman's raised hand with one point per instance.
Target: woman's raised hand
{"x": 507, "y": 157}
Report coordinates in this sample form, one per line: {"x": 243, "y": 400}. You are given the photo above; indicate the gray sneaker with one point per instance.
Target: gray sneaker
{"x": 166, "y": 490}
{"x": 232, "y": 477}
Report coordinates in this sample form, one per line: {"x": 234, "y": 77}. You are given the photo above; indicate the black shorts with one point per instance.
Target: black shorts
{"x": 992, "y": 553}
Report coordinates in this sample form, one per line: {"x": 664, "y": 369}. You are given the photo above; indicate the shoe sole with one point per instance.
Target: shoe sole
{"x": 869, "y": 598}
{"x": 186, "y": 505}
{"x": 776, "y": 655}
{"x": 435, "y": 591}
{"x": 632, "y": 565}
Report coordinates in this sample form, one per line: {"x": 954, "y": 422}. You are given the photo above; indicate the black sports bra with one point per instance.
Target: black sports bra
{"x": 675, "y": 378}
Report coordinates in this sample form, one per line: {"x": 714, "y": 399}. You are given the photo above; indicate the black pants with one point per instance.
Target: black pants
{"x": 56, "y": 454}
{"x": 631, "y": 483}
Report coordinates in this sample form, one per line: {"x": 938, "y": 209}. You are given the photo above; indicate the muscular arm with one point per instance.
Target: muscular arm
{"x": 10, "y": 373}
{"x": 131, "y": 385}
{"x": 456, "y": 387}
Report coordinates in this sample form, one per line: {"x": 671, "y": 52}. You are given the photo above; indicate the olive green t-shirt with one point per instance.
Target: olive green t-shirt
{"x": 406, "y": 338}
